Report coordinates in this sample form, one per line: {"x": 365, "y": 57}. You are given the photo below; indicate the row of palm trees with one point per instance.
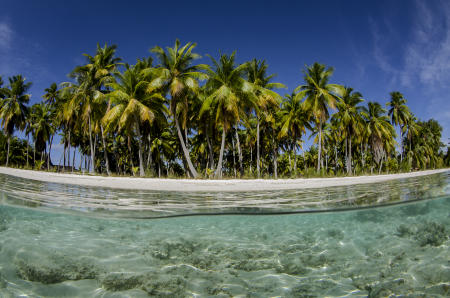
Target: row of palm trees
{"x": 225, "y": 118}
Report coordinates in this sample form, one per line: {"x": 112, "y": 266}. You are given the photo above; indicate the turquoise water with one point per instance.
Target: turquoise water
{"x": 71, "y": 241}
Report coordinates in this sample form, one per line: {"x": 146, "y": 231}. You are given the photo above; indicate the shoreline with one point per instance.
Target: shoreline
{"x": 191, "y": 185}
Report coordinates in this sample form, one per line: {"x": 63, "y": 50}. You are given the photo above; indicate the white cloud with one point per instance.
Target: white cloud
{"x": 418, "y": 63}
{"x": 427, "y": 56}
{"x": 5, "y": 36}
{"x": 381, "y": 42}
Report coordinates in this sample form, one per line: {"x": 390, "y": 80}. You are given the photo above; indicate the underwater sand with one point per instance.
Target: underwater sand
{"x": 49, "y": 251}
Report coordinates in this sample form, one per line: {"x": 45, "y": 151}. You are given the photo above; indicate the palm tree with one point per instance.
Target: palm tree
{"x": 52, "y": 99}
{"x": 319, "y": 96}
{"x": 399, "y": 113}
{"x": 67, "y": 116}
{"x": 180, "y": 77}
{"x": 380, "y": 130}
{"x": 132, "y": 105}
{"x": 266, "y": 98}
{"x": 412, "y": 129}
{"x": 228, "y": 93}
{"x": 51, "y": 94}
{"x": 91, "y": 78}
{"x": 41, "y": 126}
{"x": 293, "y": 121}
{"x": 349, "y": 118}
{"x": 13, "y": 109}
{"x": 206, "y": 126}
{"x": 162, "y": 146}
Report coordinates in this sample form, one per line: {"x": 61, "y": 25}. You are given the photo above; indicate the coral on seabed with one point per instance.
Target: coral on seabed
{"x": 427, "y": 233}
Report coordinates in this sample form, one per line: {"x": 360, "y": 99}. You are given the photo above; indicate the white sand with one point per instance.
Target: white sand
{"x": 205, "y": 185}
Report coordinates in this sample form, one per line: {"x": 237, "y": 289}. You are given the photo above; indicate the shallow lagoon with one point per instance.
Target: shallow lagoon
{"x": 66, "y": 241}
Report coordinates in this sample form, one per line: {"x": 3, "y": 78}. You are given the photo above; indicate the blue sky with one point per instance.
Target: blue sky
{"x": 375, "y": 46}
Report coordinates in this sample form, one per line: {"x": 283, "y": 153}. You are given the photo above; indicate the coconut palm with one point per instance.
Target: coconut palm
{"x": 91, "y": 78}
{"x": 180, "y": 77}
{"x": 228, "y": 93}
{"x": 68, "y": 116}
{"x": 319, "y": 96}
{"x": 399, "y": 113}
{"x": 52, "y": 98}
{"x": 13, "y": 109}
{"x": 163, "y": 145}
{"x": 132, "y": 105}
{"x": 294, "y": 120}
{"x": 380, "y": 130}
{"x": 41, "y": 126}
{"x": 412, "y": 129}
{"x": 349, "y": 118}
{"x": 51, "y": 94}
{"x": 266, "y": 98}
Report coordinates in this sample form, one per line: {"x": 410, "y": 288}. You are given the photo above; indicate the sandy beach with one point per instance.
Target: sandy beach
{"x": 205, "y": 185}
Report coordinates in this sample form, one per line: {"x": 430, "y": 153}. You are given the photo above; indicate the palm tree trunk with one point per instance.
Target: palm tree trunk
{"x": 290, "y": 162}
{"x": 241, "y": 167}
{"x": 105, "y": 154}
{"x": 346, "y": 153}
{"x": 274, "y": 153}
{"x": 141, "y": 159}
{"x": 401, "y": 144}
{"x": 73, "y": 158}
{"x": 68, "y": 151}
{"x": 350, "y": 154}
{"x": 257, "y": 147}
{"x": 81, "y": 161}
{"x": 159, "y": 168}
{"x": 234, "y": 158}
{"x": 304, "y": 160}
{"x": 251, "y": 158}
{"x": 49, "y": 151}
{"x": 131, "y": 155}
{"x": 7, "y": 153}
{"x": 28, "y": 144}
{"x": 34, "y": 154}
{"x": 381, "y": 164}
{"x": 64, "y": 152}
{"x": 320, "y": 145}
{"x": 362, "y": 156}
{"x": 295, "y": 161}
{"x": 149, "y": 157}
{"x": 218, "y": 173}
{"x": 335, "y": 159}
{"x": 185, "y": 151}
{"x": 211, "y": 153}
{"x": 92, "y": 146}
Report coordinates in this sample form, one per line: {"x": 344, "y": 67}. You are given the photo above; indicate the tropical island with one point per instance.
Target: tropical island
{"x": 166, "y": 116}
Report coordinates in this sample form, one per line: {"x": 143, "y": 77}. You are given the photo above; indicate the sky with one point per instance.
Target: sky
{"x": 375, "y": 47}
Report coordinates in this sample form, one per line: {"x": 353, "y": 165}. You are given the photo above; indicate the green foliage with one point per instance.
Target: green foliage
{"x": 392, "y": 165}
{"x": 405, "y": 166}
{"x": 17, "y": 153}
{"x": 135, "y": 170}
{"x": 162, "y": 120}
{"x": 38, "y": 164}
